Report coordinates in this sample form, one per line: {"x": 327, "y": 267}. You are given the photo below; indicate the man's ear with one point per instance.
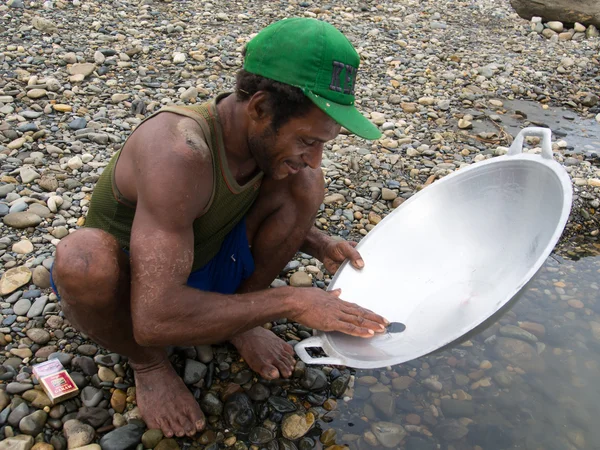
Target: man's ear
{"x": 258, "y": 107}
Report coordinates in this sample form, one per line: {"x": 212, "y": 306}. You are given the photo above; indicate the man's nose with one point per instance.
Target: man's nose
{"x": 313, "y": 158}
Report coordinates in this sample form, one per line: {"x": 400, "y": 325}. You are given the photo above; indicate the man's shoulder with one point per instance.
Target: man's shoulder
{"x": 169, "y": 130}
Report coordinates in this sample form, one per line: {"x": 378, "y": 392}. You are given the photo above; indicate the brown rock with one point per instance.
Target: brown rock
{"x": 44, "y": 352}
{"x": 42, "y": 446}
{"x": 537, "y": 329}
{"x": 409, "y": 107}
{"x": 374, "y": 218}
{"x": 413, "y": 419}
{"x": 38, "y": 399}
{"x": 84, "y": 69}
{"x": 41, "y": 277}
{"x": 397, "y": 202}
{"x": 520, "y": 354}
{"x": 300, "y": 279}
{"x": 401, "y": 383}
{"x": 567, "y": 11}
{"x": 118, "y": 401}
{"x": 13, "y": 279}
{"x": 48, "y": 183}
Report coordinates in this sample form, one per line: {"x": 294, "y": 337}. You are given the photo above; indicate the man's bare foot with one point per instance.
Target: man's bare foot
{"x": 165, "y": 402}
{"x": 265, "y": 353}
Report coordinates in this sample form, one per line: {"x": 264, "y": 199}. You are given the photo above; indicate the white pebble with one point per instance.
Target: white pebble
{"x": 75, "y": 163}
{"x": 178, "y": 58}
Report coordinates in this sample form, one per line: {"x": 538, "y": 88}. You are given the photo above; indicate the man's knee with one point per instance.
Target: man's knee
{"x": 307, "y": 191}
{"x": 86, "y": 261}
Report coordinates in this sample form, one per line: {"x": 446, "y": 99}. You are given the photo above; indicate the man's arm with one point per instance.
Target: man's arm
{"x": 172, "y": 190}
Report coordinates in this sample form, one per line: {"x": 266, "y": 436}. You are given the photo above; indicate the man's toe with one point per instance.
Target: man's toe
{"x": 166, "y": 428}
{"x": 269, "y": 372}
{"x": 183, "y": 424}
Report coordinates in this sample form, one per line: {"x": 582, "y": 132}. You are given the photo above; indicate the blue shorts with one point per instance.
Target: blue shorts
{"x": 226, "y": 271}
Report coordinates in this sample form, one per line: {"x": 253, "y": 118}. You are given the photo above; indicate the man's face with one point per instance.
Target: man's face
{"x": 297, "y": 144}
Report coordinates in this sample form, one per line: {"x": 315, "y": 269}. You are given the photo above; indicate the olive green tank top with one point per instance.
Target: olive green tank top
{"x": 229, "y": 203}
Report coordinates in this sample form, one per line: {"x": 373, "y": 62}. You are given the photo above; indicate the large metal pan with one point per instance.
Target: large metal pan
{"x": 451, "y": 256}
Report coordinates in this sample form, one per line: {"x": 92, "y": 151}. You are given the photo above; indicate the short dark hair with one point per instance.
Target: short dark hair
{"x": 285, "y": 101}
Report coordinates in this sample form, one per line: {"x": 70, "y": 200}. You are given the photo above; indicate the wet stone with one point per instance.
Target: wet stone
{"x": 238, "y": 412}
{"x": 211, "y": 405}
{"x": 86, "y": 365}
{"x": 457, "y": 408}
{"x": 122, "y": 438}
{"x": 96, "y": 417}
{"x": 18, "y": 413}
{"x": 451, "y": 430}
{"x": 282, "y": 405}
{"x": 34, "y": 423}
{"x": 107, "y": 360}
{"x": 91, "y": 397}
{"x": 389, "y": 435}
{"x": 296, "y": 425}
{"x": 314, "y": 380}
{"x": 168, "y": 444}
{"x": 259, "y": 392}
{"x": 151, "y": 438}
{"x": 194, "y": 371}
{"x": 260, "y": 436}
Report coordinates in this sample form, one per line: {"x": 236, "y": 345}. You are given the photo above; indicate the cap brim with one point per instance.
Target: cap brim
{"x": 347, "y": 116}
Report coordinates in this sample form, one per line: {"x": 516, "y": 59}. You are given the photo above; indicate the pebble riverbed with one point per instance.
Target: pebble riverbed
{"x": 449, "y": 83}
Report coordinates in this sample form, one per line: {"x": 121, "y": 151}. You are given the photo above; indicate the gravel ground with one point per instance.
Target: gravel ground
{"x": 77, "y": 77}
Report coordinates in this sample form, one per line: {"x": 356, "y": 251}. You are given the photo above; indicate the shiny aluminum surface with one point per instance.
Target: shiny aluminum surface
{"x": 452, "y": 255}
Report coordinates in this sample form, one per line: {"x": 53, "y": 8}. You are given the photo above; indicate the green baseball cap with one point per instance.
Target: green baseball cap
{"x": 316, "y": 57}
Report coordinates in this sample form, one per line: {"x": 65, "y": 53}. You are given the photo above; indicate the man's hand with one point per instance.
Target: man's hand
{"x": 325, "y": 311}
{"x": 336, "y": 252}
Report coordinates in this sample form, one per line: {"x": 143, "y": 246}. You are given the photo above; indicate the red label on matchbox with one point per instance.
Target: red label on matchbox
{"x": 59, "y": 384}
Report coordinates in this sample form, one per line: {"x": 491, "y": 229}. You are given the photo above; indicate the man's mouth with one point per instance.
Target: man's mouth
{"x": 292, "y": 168}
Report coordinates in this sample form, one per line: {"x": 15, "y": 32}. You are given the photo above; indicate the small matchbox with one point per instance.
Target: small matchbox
{"x": 55, "y": 380}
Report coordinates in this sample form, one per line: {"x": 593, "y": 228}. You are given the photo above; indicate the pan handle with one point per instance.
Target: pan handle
{"x": 545, "y": 133}
{"x": 314, "y": 341}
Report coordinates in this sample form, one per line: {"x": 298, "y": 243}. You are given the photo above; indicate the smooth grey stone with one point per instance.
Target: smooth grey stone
{"x": 31, "y": 114}
{"x": 33, "y": 424}
{"x": 107, "y": 360}
{"x": 4, "y": 415}
{"x": 5, "y": 189}
{"x": 18, "y": 207}
{"x": 79, "y": 379}
{"x": 194, "y": 371}
{"x": 18, "y": 388}
{"x": 33, "y": 293}
{"x": 86, "y": 364}
{"x": 17, "y": 414}
{"x": 38, "y": 307}
{"x": 28, "y": 127}
{"x": 205, "y": 353}
{"x": 4, "y": 209}
{"x": 91, "y": 397}
{"x": 78, "y": 123}
{"x": 21, "y": 307}
{"x": 123, "y": 438}
{"x": 9, "y": 320}
{"x": 64, "y": 358}
{"x": 96, "y": 417}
